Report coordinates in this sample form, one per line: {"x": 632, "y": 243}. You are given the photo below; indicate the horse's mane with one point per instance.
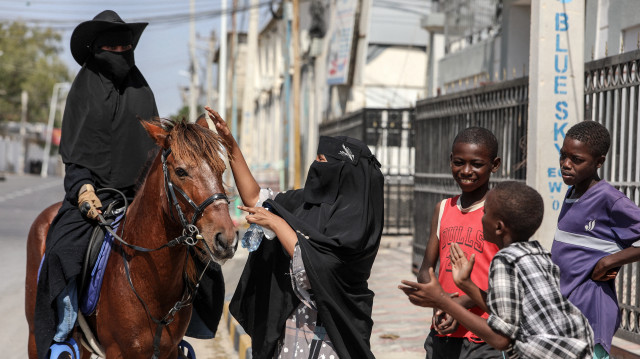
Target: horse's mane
{"x": 194, "y": 143}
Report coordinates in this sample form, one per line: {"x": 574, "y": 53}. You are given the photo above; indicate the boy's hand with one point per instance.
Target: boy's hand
{"x": 601, "y": 273}
{"x": 443, "y": 323}
{"x": 424, "y": 294}
{"x": 460, "y": 267}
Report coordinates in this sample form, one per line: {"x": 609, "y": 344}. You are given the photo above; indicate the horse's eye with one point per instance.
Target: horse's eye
{"x": 180, "y": 172}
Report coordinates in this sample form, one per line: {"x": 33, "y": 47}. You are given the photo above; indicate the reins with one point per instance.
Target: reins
{"x": 190, "y": 237}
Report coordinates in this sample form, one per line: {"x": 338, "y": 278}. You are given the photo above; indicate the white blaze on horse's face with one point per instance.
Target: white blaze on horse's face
{"x": 200, "y": 182}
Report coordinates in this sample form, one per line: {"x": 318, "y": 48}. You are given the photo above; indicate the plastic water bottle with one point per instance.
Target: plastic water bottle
{"x": 253, "y": 236}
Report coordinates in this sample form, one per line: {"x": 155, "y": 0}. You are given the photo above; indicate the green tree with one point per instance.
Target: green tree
{"x": 182, "y": 113}
{"x": 29, "y": 61}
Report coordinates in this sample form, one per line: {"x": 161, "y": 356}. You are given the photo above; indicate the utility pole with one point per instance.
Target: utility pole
{"x": 234, "y": 72}
{"x": 296, "y": 94}
{"x": 212, "y": 49}
{"x": 23, "y": 132}
{"x": 287, "y": 90}
{"x": 49, "y": 131}
{"x": 194, "y": 85}
{"x": 250, "y": 127}
{"x": 222, "y": 63}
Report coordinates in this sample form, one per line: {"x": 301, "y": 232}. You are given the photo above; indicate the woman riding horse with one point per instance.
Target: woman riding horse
{"x": 103, "y": 145}
{"x": 179, "y": 217}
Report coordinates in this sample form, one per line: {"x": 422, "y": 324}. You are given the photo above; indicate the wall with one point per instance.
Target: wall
{"x": 515, "y": 41}
{"x": 394, "y": 78}
{"x": 609, "y": 23}
{"x": 474, "y": 60}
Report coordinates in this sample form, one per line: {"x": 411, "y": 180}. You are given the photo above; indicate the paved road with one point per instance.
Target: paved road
{"x": 21, "y": 200}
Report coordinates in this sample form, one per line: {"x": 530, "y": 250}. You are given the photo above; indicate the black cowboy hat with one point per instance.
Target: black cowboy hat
{"x": 84, "y": 34}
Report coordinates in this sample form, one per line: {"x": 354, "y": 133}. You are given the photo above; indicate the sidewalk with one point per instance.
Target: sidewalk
{"x": 399, "y": 328}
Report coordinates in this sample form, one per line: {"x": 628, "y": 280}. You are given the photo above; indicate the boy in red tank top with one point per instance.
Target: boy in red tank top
{"x": 473, "y": 158}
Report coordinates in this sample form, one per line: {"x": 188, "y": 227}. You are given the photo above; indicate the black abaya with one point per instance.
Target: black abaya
{"x": 102, "y": 144}
{"x": 338, "y": 221}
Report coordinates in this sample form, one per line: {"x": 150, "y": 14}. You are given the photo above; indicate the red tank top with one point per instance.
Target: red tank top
{"x": 464, "y": 228}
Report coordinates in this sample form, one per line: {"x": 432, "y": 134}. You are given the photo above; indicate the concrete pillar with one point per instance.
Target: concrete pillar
{"x": 434, "y": 24}
{"x": 252, "y": 139}
{"x": 556, "y": 99}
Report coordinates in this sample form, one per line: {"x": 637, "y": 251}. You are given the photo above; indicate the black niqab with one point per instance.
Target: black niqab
{"x": 338, "y": 217}
{"x": 100, "y": 129}
{"x": 115, "y": 65}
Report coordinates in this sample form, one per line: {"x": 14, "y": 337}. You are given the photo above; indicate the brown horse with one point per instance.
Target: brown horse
{"x": 188, "y": 167}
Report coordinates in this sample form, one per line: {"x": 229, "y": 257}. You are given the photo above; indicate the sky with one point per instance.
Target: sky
{"x": 162, "y": 54}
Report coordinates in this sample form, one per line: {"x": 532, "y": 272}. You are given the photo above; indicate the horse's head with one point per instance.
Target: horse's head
{"x": 195, "y": 196}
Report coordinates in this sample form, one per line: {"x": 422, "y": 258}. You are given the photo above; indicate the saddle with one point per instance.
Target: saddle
{"x": 93, "y": 269}
{"x": 95, "y": 260}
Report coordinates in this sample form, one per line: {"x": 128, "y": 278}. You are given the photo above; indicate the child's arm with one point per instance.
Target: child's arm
{"x": 433, "y": 248}
{"x": 607, "y": 267}
{"x": 461, "y": 270}
{"x": 432, "y": 295}
{"x": 442, "y": 322}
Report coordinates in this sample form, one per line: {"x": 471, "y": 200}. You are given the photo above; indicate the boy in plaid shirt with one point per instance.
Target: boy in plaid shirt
{"x": 528, "y": 316}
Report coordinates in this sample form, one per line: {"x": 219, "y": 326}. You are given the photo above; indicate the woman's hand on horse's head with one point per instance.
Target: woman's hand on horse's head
{"x": 220, "y": 123}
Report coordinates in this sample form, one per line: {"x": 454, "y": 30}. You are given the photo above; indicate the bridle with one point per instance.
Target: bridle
{"x": 188, "y": 228}
{"x": 190, "y": 237}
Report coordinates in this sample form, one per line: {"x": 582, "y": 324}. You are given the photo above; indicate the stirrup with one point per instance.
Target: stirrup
{"x": 185, "y": 350}
{"x": 65, "y": 350}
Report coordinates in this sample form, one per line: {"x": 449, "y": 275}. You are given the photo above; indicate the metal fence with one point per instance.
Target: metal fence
{"x": 501, "y": 108}
{"x": 389, "y": 135}
{"x": 612, "y": 97}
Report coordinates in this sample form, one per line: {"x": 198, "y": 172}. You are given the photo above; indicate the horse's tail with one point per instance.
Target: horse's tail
{"x": 36, "y": 243}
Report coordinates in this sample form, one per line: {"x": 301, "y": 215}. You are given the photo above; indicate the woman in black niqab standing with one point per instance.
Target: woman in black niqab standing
{"x": 102, "y": 145}
{"x": 306, "y": 293}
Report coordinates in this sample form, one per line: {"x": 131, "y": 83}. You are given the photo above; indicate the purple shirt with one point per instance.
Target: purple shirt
{"x": 601, "y": 222}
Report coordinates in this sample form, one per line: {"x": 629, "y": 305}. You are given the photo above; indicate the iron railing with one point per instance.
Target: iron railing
{"x": 612, "y": 97}
{"x": 389, "y": 135}
{"x": 501, "y": 108}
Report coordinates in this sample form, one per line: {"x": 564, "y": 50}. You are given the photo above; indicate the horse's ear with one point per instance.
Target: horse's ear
{"x": 204, "y": 121}
{"x": 156, "y": 132}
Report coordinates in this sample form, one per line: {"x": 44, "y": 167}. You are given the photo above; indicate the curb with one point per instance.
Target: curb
{"x": 239, "y": 338}
{"x": 624, "y": 349}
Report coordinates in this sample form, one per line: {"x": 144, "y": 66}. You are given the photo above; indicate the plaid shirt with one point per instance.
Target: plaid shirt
{"x": 525, "y": 304}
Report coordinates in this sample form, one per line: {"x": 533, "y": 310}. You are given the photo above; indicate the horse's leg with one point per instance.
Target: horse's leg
{"x": 35, "y": 249}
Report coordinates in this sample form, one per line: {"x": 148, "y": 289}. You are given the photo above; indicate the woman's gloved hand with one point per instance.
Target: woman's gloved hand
{"x": 88, "y": 202}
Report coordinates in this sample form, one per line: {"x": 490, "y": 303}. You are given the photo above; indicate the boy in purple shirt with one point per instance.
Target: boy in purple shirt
{"x": 598, "y": 232}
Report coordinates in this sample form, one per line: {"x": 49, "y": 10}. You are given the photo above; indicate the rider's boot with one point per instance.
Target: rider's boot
{"x": 65, "y": 350}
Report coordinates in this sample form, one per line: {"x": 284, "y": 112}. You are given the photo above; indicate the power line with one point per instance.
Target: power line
{"x": 156, "y": 20}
